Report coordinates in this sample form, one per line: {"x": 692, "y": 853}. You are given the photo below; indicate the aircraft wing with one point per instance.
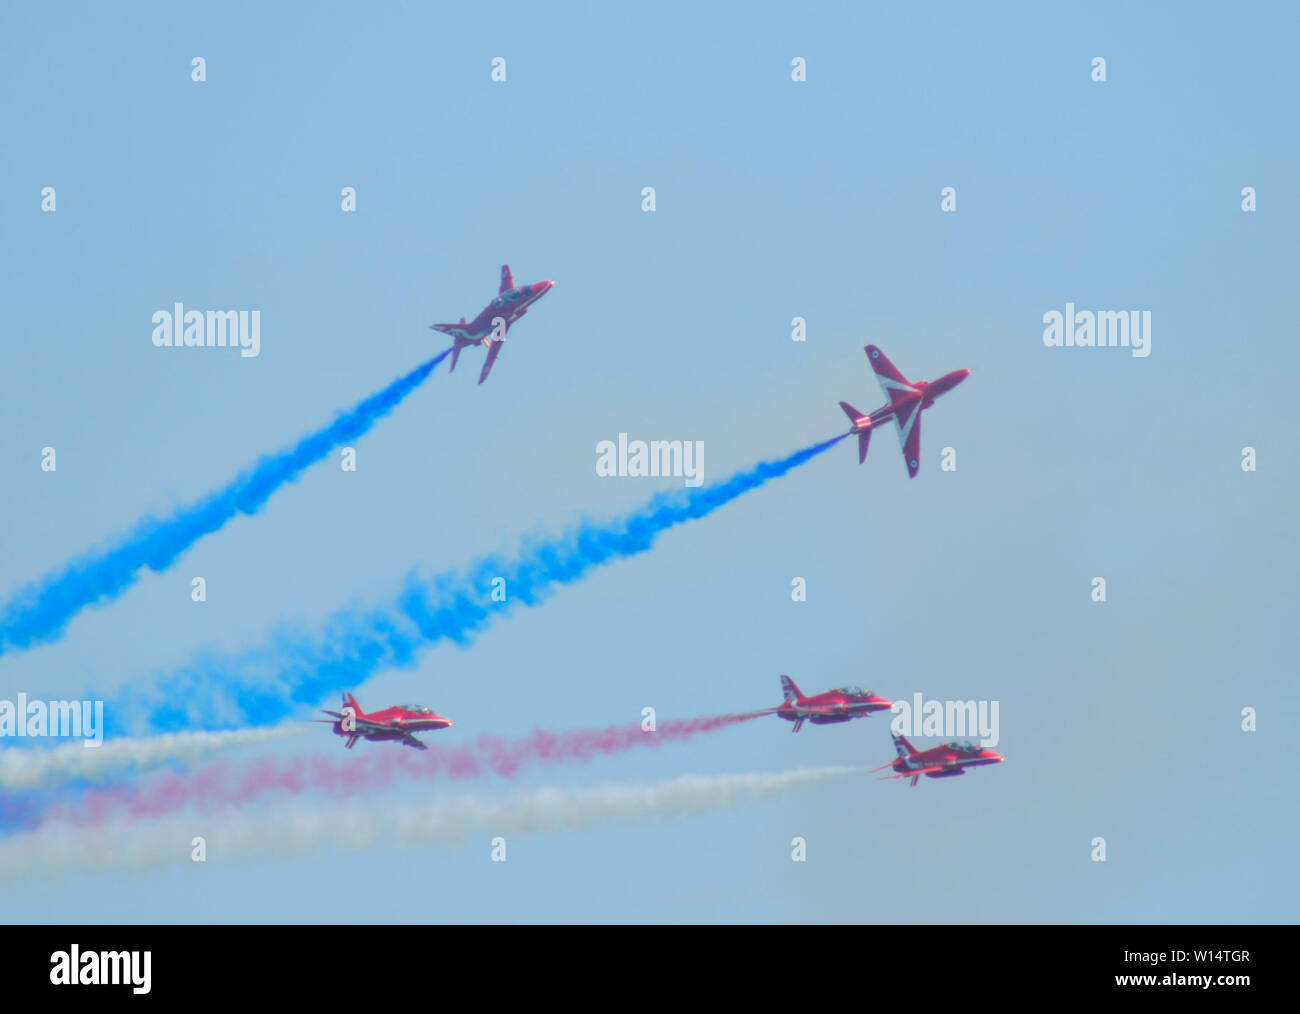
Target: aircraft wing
{"x": 412, "y": 741}
{"x": 893, "y": 383}
{"x": 494, "y": 350}
{"x": 507, "y": 279}
{"x": 909, "y": 435}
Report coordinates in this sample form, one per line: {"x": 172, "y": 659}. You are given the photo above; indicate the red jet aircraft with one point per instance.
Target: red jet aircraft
{"x": 907, "y": 399}
{"x": 400, "y": 723}
{"x": 828, "y": 708}
{"x": 490, "y": 327}
{"x": 943, "y": 761}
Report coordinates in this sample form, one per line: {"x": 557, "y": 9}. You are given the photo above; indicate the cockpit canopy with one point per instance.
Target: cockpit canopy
{"x": 966, "y": 746}
{"x": 855, "y": 692}
{"x": 418, "y": 709}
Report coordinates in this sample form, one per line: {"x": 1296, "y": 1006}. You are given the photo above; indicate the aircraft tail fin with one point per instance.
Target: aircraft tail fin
{"x": 351, "y": 702}
{"x": 864, "y": 435}
{"x": 905, "y": 749}
{"x": 788, "y": 688}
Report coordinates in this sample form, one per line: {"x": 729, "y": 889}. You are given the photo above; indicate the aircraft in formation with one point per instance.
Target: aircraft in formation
{"x": 943, "y": 761}
{"x": 399, "y": 723}
{"x": 842, "y": 705}
{"x": 490, "y": 327}
{"x": 907, "y": 400}
{"x": 402, "y": 722}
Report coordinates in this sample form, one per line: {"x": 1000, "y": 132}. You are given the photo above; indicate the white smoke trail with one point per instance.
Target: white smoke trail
{"x": 29, "y": 767}
{"x": 54, "y": 851}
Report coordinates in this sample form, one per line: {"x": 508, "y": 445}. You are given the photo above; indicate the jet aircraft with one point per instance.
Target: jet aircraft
{"x": 399, "y": 723}
{"x": 907, "y": 399}
{"x": 490, "y": 327}
{"x": 944, "y": 761}
{"x": 833, "y": 706}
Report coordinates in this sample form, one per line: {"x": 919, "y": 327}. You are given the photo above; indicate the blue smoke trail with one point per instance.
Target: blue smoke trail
{"x": 40, "y": 611}
{"x": 267, "y": 685}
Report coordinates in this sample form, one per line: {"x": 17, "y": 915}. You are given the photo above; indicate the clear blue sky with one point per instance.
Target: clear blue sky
{"x": 775, "y": 200}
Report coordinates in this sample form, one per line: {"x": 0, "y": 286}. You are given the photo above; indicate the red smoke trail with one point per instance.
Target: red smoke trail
{"x": 224, "y": 785}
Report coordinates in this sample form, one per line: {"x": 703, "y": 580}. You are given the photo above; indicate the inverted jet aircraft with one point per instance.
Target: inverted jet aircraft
{"x": 833, "y": 706}
{"x": 907, "y": 399}
{"x": 944, "y": 761}
{"x": 400, "y": 723}
{"x": 489, "y": 328}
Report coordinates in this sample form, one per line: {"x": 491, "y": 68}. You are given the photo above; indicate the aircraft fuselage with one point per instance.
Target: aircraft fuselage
{"x": 927, "y": 391}
{"x": 507, "y": 307}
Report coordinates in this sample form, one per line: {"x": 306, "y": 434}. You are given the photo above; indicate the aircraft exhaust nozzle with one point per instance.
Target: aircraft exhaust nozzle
{"x": 859, "y": 420}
